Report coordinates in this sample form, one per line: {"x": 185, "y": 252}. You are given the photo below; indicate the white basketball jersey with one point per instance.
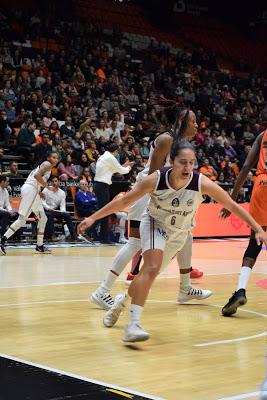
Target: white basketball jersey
{"x": 32, "y": 181}
{"x": 146, "y": 169}
{"x": 175, "y": 209}
{"x": 138, "y": 208}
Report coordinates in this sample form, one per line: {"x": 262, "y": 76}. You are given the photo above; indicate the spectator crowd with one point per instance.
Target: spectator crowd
{"x": 97, "y": 92}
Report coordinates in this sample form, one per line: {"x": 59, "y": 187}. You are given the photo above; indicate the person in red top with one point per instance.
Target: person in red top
{"x": 258, "y": 153}
{"x": 42, "y": 67}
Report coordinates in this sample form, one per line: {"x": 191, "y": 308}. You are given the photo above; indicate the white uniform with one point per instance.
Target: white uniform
{"x": 170, "y": 216}
{"x": 30, "y": 198}
{"x": 138, "y": 208}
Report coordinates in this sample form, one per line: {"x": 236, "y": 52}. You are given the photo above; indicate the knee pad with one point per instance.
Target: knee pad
{"x": 253, "y": 249}
{"x": 184, "y": 256}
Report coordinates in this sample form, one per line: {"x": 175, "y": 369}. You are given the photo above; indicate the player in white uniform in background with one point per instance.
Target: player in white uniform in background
{"x": 31, "y": 201}
{"x": 185, "y": 127}
{"x": 176, "y": 193}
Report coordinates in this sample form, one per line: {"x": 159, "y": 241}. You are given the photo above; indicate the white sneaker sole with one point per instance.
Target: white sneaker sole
{"x": 137, "y": 338}
{"x": 99, "y": 302}
{"x": 184, "y": 300}
{"x": 109, "y": 324}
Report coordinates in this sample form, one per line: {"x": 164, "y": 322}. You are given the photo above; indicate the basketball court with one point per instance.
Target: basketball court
{"x": 194, "y": 353}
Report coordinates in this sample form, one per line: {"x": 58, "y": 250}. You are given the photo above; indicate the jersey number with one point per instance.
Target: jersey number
{"x": 173, "y": 219}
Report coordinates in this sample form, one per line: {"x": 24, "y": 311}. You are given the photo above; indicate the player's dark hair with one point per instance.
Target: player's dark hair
{"x": 181, "y": 123}
{"x": 3, "y": 178}
{"x": 44, "y": 158}
{"x": 179, "y": 145}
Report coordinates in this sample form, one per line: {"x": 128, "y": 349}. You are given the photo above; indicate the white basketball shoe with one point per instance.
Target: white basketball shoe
{"x": 193, "y": 294}
{"x": 102, "y": 299}
{"x": 112, "y": 315}
{"x": 135, "y": 333}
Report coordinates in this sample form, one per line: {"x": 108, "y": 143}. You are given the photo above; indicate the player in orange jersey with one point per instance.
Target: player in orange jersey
{"x": 258, "y": 202}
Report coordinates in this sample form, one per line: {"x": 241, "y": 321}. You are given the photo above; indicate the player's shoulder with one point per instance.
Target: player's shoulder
{"x": 46, "y": 165}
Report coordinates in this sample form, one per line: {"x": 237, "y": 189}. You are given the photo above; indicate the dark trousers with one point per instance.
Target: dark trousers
{"x": 5, "y": 219}
{"x": 62, "y": 216}
{"x": 103, "y": 198}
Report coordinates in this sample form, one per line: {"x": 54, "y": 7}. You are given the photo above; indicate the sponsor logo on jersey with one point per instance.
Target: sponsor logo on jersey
{"x": 163, "y": 233}
{"x": 175, "y": 202}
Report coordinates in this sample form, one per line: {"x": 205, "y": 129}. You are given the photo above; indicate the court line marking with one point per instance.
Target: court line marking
{"x": 82, "y": 378}
{"x": 119, "y": 280}
{"x": 237, "y": 397}
{"x": 241, "y": 396}
{"x": 240, "y": 339}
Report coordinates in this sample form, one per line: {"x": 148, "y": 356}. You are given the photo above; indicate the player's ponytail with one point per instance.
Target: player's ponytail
{"x": 180, "y": 124}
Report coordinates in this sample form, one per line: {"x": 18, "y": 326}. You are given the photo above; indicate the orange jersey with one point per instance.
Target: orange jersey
{"x": 258, "y": 199}
{"x": 262, "y": 163}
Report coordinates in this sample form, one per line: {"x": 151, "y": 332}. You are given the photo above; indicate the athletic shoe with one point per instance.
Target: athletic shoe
{"x": 238, "y": 299}
{"x": 135, "y": 333}
{"x": 112, "y": 315}
{"x": 102, "y": 299}
{"x": 2, "y": 245}
{"x": 193, "y": 294}
{"x": 42, "y": 249}
{"x": 195, "y": 273}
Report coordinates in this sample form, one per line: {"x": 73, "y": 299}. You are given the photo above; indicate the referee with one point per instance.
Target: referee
{"x": 106, "y": 166}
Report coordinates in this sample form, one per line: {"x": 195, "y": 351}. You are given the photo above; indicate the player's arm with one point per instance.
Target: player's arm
{"x": 251, "y": 160}
{"x": 45, "y": 167}
{"x": 143, "y": 187}
{"x": 221, "y": 196}
{"x": 160, "y": 152}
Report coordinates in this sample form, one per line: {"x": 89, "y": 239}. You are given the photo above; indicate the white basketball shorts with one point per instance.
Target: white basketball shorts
{"x": 30, "y": 201}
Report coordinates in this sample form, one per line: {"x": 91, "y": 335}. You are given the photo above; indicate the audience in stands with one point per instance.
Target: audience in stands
{"x": 79, "y": 100}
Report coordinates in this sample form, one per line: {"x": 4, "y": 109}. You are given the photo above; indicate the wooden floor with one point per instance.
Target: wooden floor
{"x": 194, "y": 353}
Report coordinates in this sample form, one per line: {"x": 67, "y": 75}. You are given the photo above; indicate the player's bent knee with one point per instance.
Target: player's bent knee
{"x": 152, "y": 270}
{"x": 253, "y": 249}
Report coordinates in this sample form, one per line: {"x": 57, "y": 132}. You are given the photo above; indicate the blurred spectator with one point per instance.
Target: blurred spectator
{"x": 66, "y": 169}
{"x": 6, "y": 128}
{"x": 85, "y": 200}
{"x": 55, "y": 209}
{"x": 208, "y": 170}
{"x": 13, "y": 172}
{"x": 26, "y": 141}
{"x": 42, "y": 149}
{"x": 6, "y": 212}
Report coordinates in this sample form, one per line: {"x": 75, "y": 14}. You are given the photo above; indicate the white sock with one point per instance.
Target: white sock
{"x": 185, "y": 282}
{"x": 122, "y": 258}
{"x": 135, "y": 313}
{"x": 40, "y": 239}
{"x": 243, "y": 277}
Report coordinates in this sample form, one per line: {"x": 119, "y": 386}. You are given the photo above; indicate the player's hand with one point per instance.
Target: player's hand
{"x": 224, "y": 213}
{"x": 42, "y": 195}
{"x": 85, "y": 224}
{"x": 261, "y": 237}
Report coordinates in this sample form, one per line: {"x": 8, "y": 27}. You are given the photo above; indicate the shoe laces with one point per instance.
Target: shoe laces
{"x": 194, "y": 292}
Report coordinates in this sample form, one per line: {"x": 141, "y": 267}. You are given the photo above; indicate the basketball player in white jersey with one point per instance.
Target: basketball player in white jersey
{"x": 185, "y": 127}
{"x": 31, "y": 201}
{"x": 175, "y": 195}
